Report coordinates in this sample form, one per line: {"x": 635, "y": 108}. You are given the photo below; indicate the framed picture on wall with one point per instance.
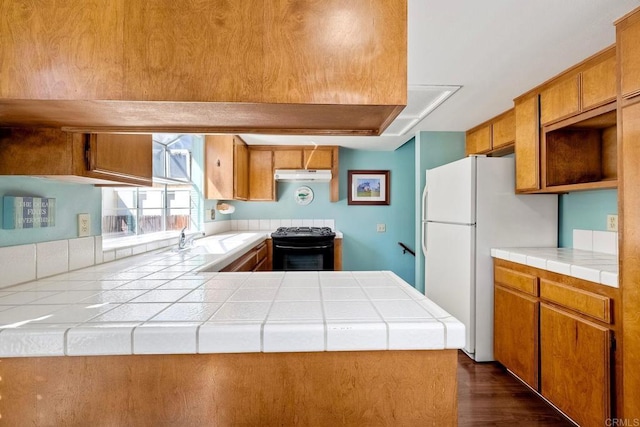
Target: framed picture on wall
{"x": 369, "y": 187}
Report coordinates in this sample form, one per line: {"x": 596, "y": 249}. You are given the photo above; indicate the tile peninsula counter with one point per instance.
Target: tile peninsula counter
{"x": 154, "y": 340}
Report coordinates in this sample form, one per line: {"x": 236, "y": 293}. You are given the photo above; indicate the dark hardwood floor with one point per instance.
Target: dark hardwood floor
{"x": 489, "y": 396}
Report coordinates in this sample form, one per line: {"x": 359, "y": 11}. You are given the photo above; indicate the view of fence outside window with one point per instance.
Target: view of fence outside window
{"x": 167, "y": 206}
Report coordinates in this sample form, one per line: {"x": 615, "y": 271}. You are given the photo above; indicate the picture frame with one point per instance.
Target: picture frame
{"x": 369, "y": 187}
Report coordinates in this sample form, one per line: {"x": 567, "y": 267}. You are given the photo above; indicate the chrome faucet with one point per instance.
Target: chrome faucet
{"x": 182, "y": 242}
{"x": 185, "y": 241}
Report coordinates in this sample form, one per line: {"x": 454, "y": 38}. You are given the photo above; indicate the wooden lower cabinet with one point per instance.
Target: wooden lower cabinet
{"x": 325, "y": 388}
{"x": 575, "y": 365}
{"x": 516, "y": 333}
{"x": 255, "y": 259}
{"x": 556, "y": 334}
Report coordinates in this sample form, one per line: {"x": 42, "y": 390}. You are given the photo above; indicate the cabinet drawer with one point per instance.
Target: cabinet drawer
{"x": 516, "y": 280}
{"x": 587, "y": 303}
{"x": 261, "y": 252}
{"x": 261, "y": 266}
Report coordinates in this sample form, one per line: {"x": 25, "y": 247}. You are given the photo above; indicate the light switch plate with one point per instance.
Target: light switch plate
{"x": 84, "y": 225}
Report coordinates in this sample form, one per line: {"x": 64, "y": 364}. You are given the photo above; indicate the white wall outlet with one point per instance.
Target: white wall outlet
{"x": 612, "y": 222}
{"x": 209, "y": 214}
{"x": 381, "y": 228}
{"x": 84, "y": 225}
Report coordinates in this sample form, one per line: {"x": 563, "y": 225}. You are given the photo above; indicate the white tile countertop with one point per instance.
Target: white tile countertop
{"x": 160, "y": 303}
{"x": 596, "y": 267}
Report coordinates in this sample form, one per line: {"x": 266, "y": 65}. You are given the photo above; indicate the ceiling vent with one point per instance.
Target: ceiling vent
{"x": 421, "y": 100}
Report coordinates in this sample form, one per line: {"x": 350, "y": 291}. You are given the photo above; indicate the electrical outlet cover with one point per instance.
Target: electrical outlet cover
{"x": 84, "y": 225}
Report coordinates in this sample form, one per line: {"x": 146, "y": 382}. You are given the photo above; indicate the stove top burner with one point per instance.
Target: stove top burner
{"x": 303, "y": 232}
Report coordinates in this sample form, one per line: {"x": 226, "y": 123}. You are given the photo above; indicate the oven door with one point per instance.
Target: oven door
{"x": 291, "y": 255}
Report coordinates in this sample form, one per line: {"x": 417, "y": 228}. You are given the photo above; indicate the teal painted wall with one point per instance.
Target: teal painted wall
{"x": 585, "y": 210}
{"x": 432, "y": 149}
{"x": 363, "y": 247}
{"x": 71, "y": 199}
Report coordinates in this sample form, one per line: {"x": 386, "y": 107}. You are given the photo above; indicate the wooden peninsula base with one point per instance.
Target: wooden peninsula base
{"x": 309, "y": 389}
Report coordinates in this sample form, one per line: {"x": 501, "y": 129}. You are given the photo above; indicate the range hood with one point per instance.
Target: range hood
{"x": 317, "y": 175}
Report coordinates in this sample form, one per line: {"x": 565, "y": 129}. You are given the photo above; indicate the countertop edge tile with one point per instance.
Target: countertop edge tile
{"x": 116, "y": 335}
{"x": 596, "y": 267}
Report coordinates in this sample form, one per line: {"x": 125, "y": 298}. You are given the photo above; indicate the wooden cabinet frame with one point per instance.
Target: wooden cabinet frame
{"x": 627, "y": 42}
{"x": 100, "y": 159}
{"x": 494, "y": 137}
{"x": 259, "y": 67}
{"x": 308, "y": 157}
{"x": 590, "y": 303}
{"x": 567, "y": 141}
{"x": 255, "y": 259}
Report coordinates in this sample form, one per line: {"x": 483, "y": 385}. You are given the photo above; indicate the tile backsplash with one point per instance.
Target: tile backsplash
{"x": 596, "y": 241}
{"x": 24, "y": 263}
{"x": 273, "y": 224}
{"x": 33, "y": 261}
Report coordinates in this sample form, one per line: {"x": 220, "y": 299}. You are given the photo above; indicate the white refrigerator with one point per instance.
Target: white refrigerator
{"x": 468, "y": 207}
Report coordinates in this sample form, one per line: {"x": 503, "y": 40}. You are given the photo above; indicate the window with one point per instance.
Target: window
{"x": 170, "y": 205}
{"x": 135, "y": 211}
{"x": 172, "y": 156}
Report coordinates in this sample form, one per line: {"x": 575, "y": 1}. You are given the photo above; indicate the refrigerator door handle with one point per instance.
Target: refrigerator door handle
{"x": 423, "y": 228}
{"x": 424, "y": 202}
{"x": 424, "y": 238}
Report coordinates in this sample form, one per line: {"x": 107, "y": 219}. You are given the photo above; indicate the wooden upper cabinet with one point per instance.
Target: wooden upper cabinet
{"x": 68, "y": 58}
{"x": 166, "y": 63}
{"x": 287, "y": 159}
{"x": 588, "y": 85}
{"x": 478, "y": 140}
{"x": 226, "y": 168}
{"x": 240, "y": 169}
{"x": 627, "y": 42}
{"x": 96, "y": 159}
{"x": 599, "y": 83}
{"x": 503, "y": 130}
{"x": 494, "y": 134}
{"x": 318, "y": 158}
{"x": 261, "y": 181}
{"x": 302, "y": 39}
{"x": 303, "y": 158}
{"x": 562, "y": 99}
{"x": 127, "y": 157}
{"x": 272, "y": 66}
{"x": 527, "y": 145}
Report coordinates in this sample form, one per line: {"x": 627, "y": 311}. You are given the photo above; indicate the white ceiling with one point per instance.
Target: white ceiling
{"x": 495, "y": 49}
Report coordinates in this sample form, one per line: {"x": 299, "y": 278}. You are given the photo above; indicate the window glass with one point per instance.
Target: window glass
{"x": 159, "y": 162}
{"x": 167, "y": 206}
{"x": 172, "y": 156}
